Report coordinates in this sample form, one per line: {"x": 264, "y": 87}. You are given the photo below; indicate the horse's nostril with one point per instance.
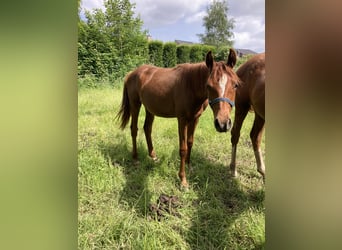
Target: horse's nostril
{"x": 216, "y": 122}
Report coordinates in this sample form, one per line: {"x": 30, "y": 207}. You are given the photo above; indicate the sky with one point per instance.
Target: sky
{"x": 170, "y": 20}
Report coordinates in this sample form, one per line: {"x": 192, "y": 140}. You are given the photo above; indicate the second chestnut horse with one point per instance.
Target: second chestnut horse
{"x": 250, "y": 96}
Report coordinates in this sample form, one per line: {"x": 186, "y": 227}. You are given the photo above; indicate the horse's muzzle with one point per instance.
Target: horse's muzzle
{"x": 222, "y": 126}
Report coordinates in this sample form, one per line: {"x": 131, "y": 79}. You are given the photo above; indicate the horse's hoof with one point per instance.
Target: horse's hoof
{"x": 233, "y": 172}
{"x": 184, "y": 187}
{"x": 234, "y": 175}
{"x": 155, "y": 159}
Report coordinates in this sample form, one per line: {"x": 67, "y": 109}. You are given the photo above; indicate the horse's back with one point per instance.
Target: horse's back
{"x": 253, "y": 69}
{"x": 252, "y": 74}
{"x": 168, "y": 92}
{"x": 136, "y": 79}
{"x": 155, "y": 87}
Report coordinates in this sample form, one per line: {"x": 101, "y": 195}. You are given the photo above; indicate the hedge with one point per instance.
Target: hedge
{"x": 206, "y": 49}
{"x": 155, "y": 51}
{"x": 222, "y": 53}
{"x": 170, "y": 54}
{"x": 183, "y": 53}
{"x": 196, "y": 54}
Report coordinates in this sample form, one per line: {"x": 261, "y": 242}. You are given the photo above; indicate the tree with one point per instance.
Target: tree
{"x": 112, "y": 42}
{"x": 94, "y": 45}
{"x": 125, "y": 29}
{"x": 218, "y": 27}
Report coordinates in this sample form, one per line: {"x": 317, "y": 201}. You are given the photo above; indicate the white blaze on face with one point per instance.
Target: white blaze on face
{"x": 223, "y": 82}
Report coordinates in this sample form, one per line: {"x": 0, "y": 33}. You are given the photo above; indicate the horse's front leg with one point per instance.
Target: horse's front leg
{"x": 148, "y": 130}
{"x": 183, "y": 150}
{"x": 240, "y": 115}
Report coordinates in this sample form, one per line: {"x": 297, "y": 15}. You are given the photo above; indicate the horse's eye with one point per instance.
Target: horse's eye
{"x": 236, "y": 86}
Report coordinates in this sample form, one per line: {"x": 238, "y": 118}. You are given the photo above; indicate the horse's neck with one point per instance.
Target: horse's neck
{"x": 202, "y": 72}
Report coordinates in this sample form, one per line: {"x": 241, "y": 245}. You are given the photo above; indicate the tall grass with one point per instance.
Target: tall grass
{"x": 217, "y": 212}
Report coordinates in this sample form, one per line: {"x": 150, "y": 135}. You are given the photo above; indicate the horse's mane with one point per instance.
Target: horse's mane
{"x": 194, "y": 75}
{"x": 199, "y": 70}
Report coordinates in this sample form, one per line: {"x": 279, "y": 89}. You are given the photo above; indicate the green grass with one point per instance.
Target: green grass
{"x": 217, "y": 212}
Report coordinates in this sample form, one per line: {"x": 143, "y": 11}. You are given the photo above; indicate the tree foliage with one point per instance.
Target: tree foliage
{"x": 218, "y": 27}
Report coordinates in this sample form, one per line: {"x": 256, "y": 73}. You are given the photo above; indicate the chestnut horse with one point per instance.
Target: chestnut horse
{"x": 250, "y": 96}
{"x": 181, "y": 92}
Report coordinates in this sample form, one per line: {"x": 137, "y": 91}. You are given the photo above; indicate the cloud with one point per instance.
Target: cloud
{"x": 245, "y": 40}
{"x": 249, "y": 31}
{"x": 157, "y": 13}
{"x": 197, "y": 17}
{"x": 92, "y": 4}
{"x": 247, "y": 7}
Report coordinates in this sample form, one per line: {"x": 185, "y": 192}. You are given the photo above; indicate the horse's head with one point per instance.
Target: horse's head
{"x": 221, "y": 86}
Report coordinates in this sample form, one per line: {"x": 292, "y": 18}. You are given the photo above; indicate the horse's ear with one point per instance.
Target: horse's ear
{"x": 231, "y": 58}
{"x": 209, "y": 61}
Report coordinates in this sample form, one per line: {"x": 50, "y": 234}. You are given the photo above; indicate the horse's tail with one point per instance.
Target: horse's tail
{"x": 124, "y": 112}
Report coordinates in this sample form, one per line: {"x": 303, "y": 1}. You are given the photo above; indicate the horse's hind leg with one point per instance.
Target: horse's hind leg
{"x": 190, "y": 139}
{"x": 134, "y": 128}
{"x": 240, "y": 115}
{"x": 256, "y": 135}
{"x": 148, "y": 130}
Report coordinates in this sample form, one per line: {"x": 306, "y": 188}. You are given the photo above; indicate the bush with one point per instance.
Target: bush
{"x": 155, "y": 51}
{"x": 87, "y": 81}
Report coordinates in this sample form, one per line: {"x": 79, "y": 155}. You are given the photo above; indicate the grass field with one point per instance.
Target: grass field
{"x": 217, "y": 212}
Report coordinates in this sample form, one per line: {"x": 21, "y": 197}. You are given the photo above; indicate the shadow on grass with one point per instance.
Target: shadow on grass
{"x": 135, "y": 194}
{"x": 221, "y": 203}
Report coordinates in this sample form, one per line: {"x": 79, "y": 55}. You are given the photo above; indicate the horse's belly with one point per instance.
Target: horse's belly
{"x": 159, "y": 106}
{"x": 160, "y": 112}
{"x": 158, "y": 97}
